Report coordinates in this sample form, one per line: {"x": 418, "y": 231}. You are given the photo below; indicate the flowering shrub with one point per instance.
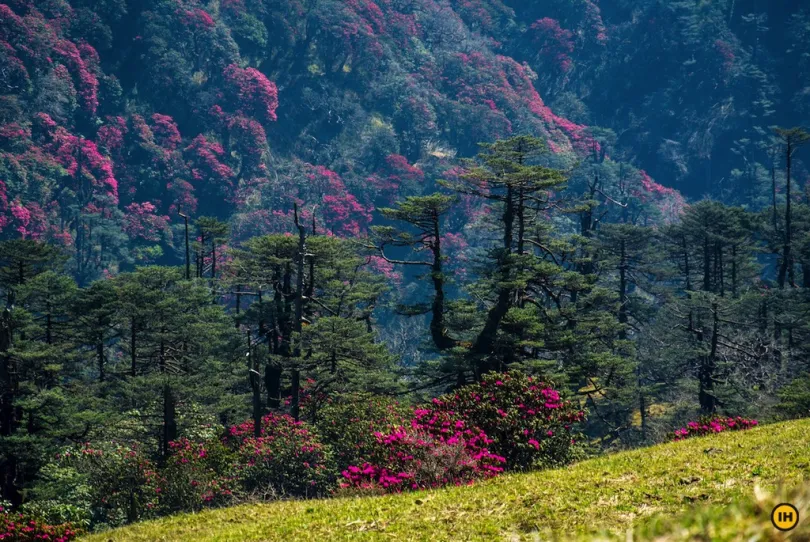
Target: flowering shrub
{"x": 142, "y": 221}
{"x": 505, "y": 421}
{"x": 23, "y": 528}
{"x": 286, "y": 460}
{"x": 554, "y": 43}
{"x": 419, "y": 457}
{"x": 708, "y": 425}
{"x": 528, "y": 422}
{"x": 381, "y": 447}
{"x": 198, "y": 475}
{"x": 253, "y": 93}
{"x": 125, "y": 485}
{"x": 349, "y": 426}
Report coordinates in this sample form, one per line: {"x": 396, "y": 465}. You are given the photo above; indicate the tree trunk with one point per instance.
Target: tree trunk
{"x": 623, "y": 317}
{"x": 169, "y": 419}
{"x": 486, "y": 338}
{"x": 100, "y": 358}
{"x": 299, "y": 316}
{"x": 706, "y": 373}
{"x": 255, "y": 388}
{"x": 133, "y": 355}
{"x": 213, "y": 258}
{"x": 734, "y": 271}
{"x": 272, "y": 383}
{"x": 437, "y": 330}
{"x": 786, "y": 269}
{"x": 8, "y": 377}
{"x": 707, "y": 262}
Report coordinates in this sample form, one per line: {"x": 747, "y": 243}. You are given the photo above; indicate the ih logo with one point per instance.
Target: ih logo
{"x": 785, "y": 517}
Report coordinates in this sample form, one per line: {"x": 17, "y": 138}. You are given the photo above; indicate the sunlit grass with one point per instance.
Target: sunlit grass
{"x": 654, "y": 490}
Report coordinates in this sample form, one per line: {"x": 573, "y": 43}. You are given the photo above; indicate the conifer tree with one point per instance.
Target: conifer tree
{"x": 424, "y": 214}
{"x": 506, "y": 174}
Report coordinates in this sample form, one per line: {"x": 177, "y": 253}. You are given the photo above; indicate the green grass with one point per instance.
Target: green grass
{"x": 703, "y": 488}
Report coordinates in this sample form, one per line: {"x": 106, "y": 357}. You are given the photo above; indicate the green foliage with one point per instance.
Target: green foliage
{"x": 62, "y": 494}
{"x": 123, "y": 484}
{"x": 287, "y": 460}
{"x": 349, "y": 425}
{"x": 794, "y": 399}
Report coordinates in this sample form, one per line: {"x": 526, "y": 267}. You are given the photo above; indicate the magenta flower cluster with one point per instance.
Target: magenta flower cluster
{"x": 506, "y": 421}
{"x": 712, "y": 425}
{"x": 21, "y": 528}
{"x": 434, "y": 451}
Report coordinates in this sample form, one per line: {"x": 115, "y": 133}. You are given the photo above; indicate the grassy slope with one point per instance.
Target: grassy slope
{"x": 613, "y": 493}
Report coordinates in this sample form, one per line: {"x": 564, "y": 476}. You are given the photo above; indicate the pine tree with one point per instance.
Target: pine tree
{"x": 793, "y": 139}
{"x": 506, "y": 174}
{"x": 424, "y": 214}
{"x": 185, "y": 350}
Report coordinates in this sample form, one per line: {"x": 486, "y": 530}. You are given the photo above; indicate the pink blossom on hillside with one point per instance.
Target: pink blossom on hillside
{"x": 726, "y": 53}
{"x": 385, "y": 268}
{"x": 13, "y": 133}
{"x": 399, "y": 166}
{"x": 82, "y": 160}
{"x": 142, "y": 221}
{"x": 249, "y": 139}
{"x": 594, "y": 17}
{"x": 111, "y": 135}
{"x": 182, "y": 198}
{"x": 88, "y": 83}
{"x": 205, "y": 156}
{"x": 199, "y": 18}
{"x": 29, "y": 220}
{"x": 712, "y": 425}
{"x": 254, "y": 94}
{"x": 341, "y": 210}
{"x": 669, "y": 202}
{"x": 167, "y": 135}
{"x": 554, "y": 42}
{"x": 4, "y": 208}
{"x": 44, "y": 122}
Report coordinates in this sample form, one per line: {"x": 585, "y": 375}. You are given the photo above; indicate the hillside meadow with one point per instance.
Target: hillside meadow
{"x": 720, "y": 487}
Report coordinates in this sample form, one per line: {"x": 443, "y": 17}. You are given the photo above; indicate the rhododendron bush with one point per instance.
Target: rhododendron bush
{"x": 287, "y": 459}
{"x": 506, "y": 421}
{"x": 198, "y": 475}
{"x": 15, "y": 527}
{"x": 350, "y": 426}
{"x": 429, "y": 453}
{"x": 709, "y": 425}
{"x": 124, "y": 482}
{"x": 529, "y": 424}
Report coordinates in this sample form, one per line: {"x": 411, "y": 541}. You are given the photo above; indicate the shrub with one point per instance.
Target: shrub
{"x": 287, "y": 460}
{"x": 529, "y": 423}
{"x": 61, "y": 495}
{"x": 349, "y": 426}
{"x": 709, "y": 425}
{"x": 421, "y": 457}
{"x": 794, "y": 399}
{"x": 24, "y": 528}
{"x": 124, "y": 484}
{"x": 198, "y": 475}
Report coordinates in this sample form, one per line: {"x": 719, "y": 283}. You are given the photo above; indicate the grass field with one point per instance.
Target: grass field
{"x": 703, "y": 488}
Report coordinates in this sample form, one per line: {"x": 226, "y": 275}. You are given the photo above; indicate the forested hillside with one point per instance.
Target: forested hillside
{"x": 389, "y": 245}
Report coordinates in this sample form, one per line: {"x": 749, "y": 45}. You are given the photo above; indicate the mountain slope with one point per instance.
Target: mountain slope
{"x": 612, "y": 492}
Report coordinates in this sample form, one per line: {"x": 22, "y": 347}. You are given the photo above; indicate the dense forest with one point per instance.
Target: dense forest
{"x": 254, "y": 249}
